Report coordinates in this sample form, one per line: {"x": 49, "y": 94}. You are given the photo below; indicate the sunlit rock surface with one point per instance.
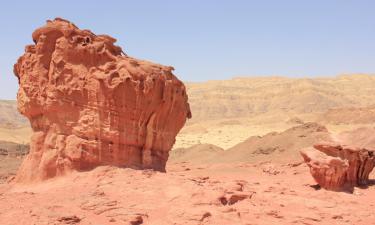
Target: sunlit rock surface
{"x": 338, "y": 167}
{"x": 89, "y": 104}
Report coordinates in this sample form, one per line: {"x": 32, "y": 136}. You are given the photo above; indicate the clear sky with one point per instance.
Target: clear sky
{"x": 210, "y": 39}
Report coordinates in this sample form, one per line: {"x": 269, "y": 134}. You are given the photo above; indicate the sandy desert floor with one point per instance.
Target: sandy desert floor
{"x": 261, "y": 193}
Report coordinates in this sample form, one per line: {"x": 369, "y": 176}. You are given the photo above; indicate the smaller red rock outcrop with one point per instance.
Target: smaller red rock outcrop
{"x": 339, "y": 167}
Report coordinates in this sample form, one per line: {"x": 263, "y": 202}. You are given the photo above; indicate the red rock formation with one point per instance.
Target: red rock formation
{"x": 91, "y": 105}
{"x": 339, "y": 167}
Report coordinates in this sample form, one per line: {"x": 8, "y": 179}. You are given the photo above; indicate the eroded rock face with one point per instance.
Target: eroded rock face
{"x": 339, "y": 167}
{"x": 89, "y": 104}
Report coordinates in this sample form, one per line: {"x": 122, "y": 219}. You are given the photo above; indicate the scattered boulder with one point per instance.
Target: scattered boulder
{"x": 339, "y": 167}
{"x": 89, "y": 104}
{"x": 231, "y": 198}
{"x": 69, "y": 220}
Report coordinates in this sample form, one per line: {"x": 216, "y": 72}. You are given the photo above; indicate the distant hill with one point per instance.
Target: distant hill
{"x": 249, "y": 96}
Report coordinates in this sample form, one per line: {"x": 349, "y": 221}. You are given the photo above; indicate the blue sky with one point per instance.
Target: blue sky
{"x": 210, "y": 39}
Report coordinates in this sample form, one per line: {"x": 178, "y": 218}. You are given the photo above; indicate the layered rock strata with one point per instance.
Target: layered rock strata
{"x": 89, "y": 104}
{"x": 339, "y": 167}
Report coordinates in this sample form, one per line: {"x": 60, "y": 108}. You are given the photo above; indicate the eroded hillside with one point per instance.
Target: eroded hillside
{"x": 245, "y": 97}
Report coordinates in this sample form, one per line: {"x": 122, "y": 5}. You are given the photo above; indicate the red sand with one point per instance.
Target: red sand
{"x": 265, "y": 193}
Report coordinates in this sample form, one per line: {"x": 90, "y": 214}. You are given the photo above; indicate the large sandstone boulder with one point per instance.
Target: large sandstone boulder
{"x": 339, "y": 167}
{"x": 89, "y": 104}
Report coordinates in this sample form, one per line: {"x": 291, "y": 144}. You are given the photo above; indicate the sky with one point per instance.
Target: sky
{"x": 210, "y": 39}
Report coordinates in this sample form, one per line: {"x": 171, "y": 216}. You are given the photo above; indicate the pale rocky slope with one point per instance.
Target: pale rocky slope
{"x": 13, "y": 126}
{"x": 280, "y": 147}
{"x": 349, "y": 115}
{"x": 246, "y": 97}
{"x": 9, "y": 115}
